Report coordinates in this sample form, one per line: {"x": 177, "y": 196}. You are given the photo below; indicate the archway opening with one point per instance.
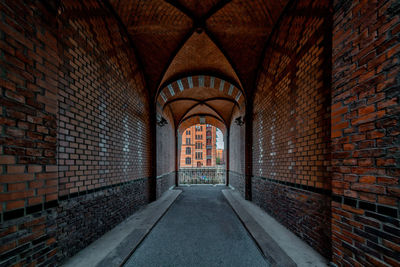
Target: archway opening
{"x": 201, "y": 155}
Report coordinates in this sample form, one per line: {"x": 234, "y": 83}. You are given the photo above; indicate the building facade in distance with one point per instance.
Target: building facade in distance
{"x": 198, "y": 146}
{"x": 220, "y": 160}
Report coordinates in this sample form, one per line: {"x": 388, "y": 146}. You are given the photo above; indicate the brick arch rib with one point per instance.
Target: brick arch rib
{"x": 189, "y": 82}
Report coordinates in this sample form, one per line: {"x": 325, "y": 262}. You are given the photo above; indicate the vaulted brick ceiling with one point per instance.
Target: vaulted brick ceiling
{"x": 221, "y": 38}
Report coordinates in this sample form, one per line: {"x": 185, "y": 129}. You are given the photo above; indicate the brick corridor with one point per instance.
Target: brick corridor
{"x": 95, "y": 96}
{"x": 199, "y": 229}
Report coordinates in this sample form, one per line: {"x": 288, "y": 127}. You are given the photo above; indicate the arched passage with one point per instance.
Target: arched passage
{"x": 201, "y": 150}
{"x": 199, "y": 99}
{"x": 93, "y": 94}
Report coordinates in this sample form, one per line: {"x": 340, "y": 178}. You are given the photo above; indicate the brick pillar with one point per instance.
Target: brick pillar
{"x": 177, "y": 157}
{"x": 226, "y": 143}
{"x": 153, "y": 170}
{"x": 248, "y": 148}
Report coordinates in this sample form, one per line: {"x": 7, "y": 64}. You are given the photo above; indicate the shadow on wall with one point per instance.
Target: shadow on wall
{"x": 291, "y": 125}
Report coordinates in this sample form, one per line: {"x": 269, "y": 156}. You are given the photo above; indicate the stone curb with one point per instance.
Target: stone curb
{"x": 116, "y": 246}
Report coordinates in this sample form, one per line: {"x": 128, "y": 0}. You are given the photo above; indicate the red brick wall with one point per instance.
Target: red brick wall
{"x": 103, "y": 109}
{"x": 28, "y": 176}
{"x": 71, "y": 79}
{"x": 104, "y": 130}
{"x": 291, "y": 178}
{"x": 365, "y": 133}
{"x": 29, "y": 65}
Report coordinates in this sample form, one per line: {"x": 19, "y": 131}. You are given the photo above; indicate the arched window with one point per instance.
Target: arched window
{"x": 188, "y": 151}
{"x": 188, "y": 161}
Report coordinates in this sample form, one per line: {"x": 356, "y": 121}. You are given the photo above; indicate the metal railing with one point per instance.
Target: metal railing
{"x": 202, "y": 175}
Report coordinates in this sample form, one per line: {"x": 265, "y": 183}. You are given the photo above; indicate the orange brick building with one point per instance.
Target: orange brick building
{"x": 220, "y": 155}
{"x": 199, "y": 146}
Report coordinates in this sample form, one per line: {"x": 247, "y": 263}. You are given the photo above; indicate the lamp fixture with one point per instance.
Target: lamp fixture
{"x": 239, "y": 121}
{"x": 161, "y": 121}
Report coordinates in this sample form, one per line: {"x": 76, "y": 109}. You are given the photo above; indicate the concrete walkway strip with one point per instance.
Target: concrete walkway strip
{"x": 280, "y": 246}
{"x": 116, "y": 246}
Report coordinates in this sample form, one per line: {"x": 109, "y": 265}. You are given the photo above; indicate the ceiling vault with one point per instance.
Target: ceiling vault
{"x": 174, "y": 41}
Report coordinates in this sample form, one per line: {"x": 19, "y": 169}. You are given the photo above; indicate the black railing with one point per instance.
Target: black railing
{"x": 202, "y": 175}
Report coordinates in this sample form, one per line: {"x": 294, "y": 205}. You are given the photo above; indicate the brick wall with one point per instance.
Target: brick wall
{"x": 103, "y": 131}
{"x": 103, "y": 128}
{"x": 236, "y": 153}
{"x": 365, "y": 133}
{"x": 291, "y": 124}
{"x": 70, "y": 79}
{"x": 166, "y": 154}
{"x": 83, "y": 219}
{"x": 28, "y": 176}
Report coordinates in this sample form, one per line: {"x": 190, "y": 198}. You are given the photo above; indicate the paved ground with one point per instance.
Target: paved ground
{"x": 199, "y": 229}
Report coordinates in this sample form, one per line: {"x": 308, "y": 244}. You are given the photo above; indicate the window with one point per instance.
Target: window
{"x": 199, "y": 155}
{"x": 188, "y": 132}
{"x": 188, "y": 151}
{"x": 188, "y": 160}
{"x": 199, "y": 145}
{"x": 208, "y": 162}
{"x": 208, "y": 142}
{"x": 208, "y": 152}
{"x": 199, "y": 128}
{"x": 208, "y": 133}
{"x": 188, "y": 141}
{"x": 199, "y": 164}
{"x": 199, "y": 136}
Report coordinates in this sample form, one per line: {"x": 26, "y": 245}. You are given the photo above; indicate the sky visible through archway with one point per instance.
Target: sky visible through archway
{"x": 220, "y": 139}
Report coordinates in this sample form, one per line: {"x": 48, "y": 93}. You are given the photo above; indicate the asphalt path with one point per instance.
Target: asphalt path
{"x": 199, "y": 229}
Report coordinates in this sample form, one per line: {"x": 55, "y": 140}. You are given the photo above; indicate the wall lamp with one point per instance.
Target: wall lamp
{"x": 161, "y": 121}
{"x": 239, "y": 121}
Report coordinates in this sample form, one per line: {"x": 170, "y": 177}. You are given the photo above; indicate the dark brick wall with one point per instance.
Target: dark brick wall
{"x": 303, "y": 212}
{"x": 365, "y": 133}
{"x": 81, "y": 220}
{"x": 291, "y": 124}
{"x": 30, "y": 239}
{"x": 236, "y": 153}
